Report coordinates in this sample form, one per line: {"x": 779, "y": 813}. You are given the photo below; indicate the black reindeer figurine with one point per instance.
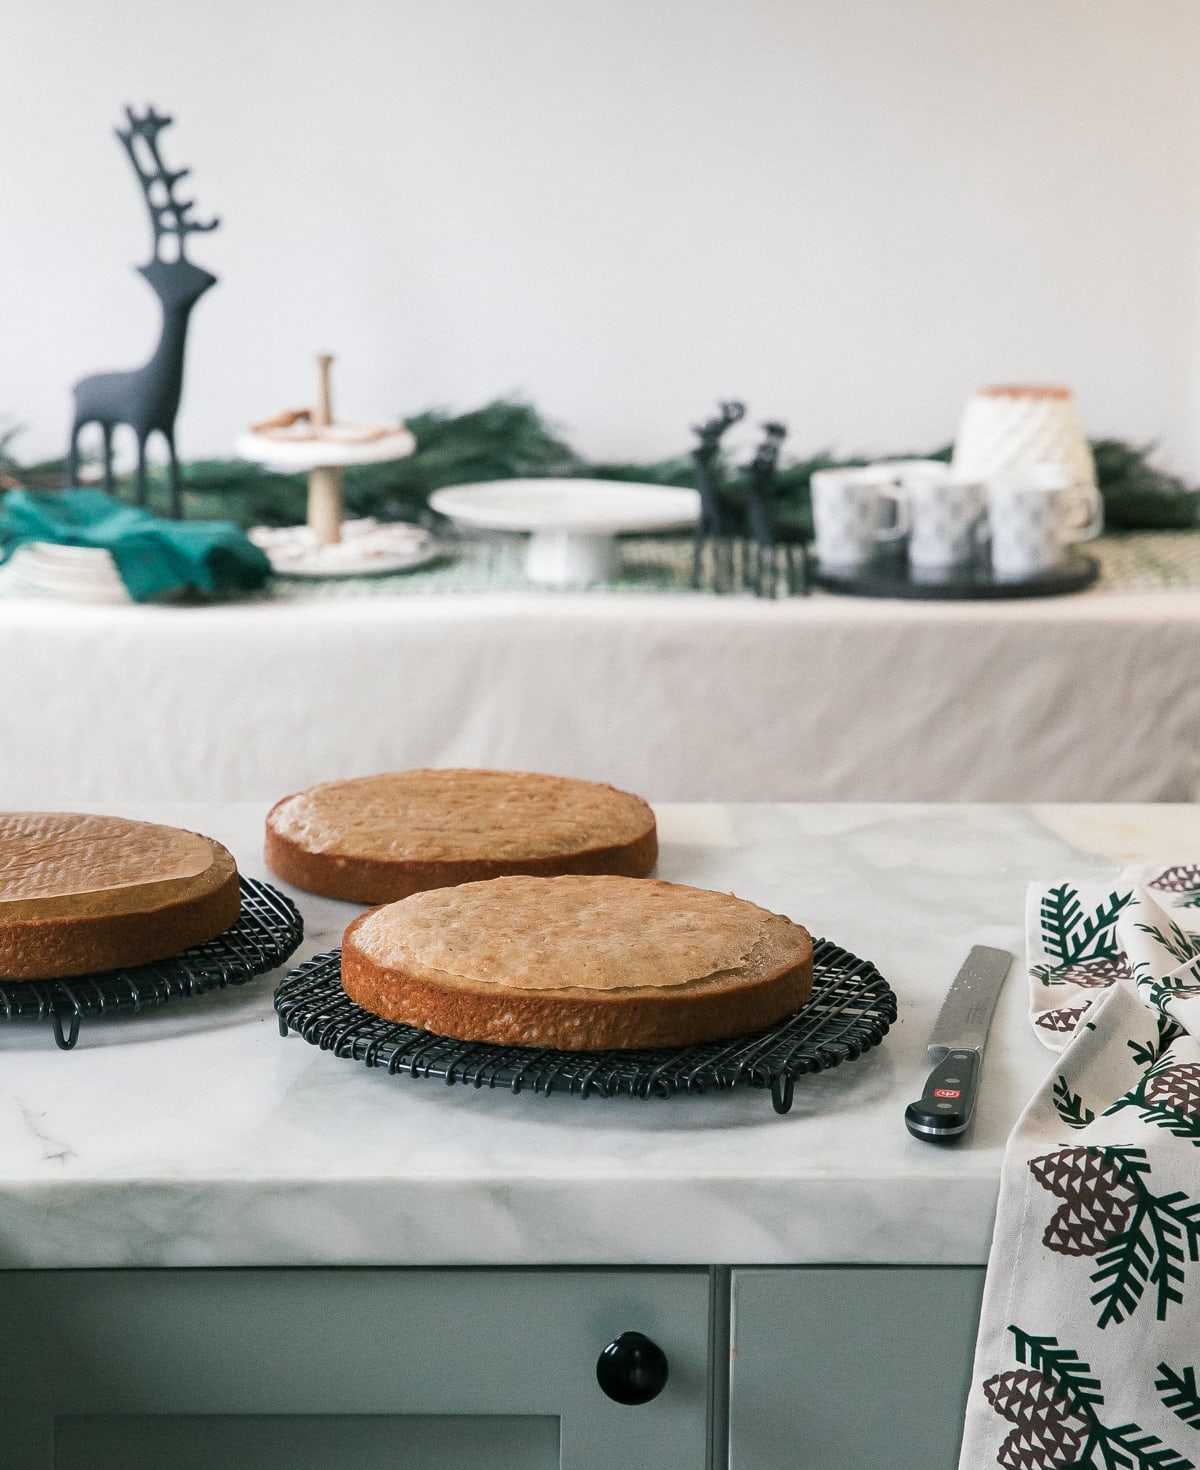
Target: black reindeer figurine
{"x": 714, "y": 528}
{"x": 740, "y": 542}
{"x": 773, "y": 549}
{"x": 147, "y": 398}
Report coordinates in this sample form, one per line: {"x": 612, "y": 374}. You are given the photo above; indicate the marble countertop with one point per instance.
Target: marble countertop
{"x": 197, "y": 1136}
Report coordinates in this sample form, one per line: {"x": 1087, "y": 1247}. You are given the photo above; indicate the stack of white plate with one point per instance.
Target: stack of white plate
{"x": 367, "y": 547}
{"x": 81, "y": 573}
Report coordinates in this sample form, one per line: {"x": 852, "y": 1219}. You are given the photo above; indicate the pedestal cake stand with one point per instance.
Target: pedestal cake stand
{"x": 571, "y": 523}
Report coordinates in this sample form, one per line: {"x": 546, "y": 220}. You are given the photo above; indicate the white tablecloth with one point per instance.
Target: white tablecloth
{"x": 1088, "y": 698}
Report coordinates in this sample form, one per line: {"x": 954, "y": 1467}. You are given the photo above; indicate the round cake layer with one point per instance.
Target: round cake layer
{"x": 379, "y": 838}
{"x": 578, "y": 963}
{"x": 81, "y": 894}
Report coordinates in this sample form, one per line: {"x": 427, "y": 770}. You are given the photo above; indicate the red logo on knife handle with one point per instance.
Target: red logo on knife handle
{"x": 946, "y": 1092}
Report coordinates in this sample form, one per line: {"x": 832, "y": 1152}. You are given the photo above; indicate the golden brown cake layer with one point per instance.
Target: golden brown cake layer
{"x": 81, "y": 893}
{"x": 379, "y": 838}
{"x": 578, "y": 963}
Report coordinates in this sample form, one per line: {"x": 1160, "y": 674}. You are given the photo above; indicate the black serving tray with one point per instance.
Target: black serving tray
{"x": 891, "y": 576}
{"x": 851, "y": 1009}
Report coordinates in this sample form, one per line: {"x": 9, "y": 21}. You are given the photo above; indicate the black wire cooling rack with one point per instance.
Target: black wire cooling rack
{"x": 266, "y": 934}
{"x": 851, "y": 1009}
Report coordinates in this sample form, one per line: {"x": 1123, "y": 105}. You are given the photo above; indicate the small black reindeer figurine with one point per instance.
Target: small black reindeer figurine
{"x": 715, "y": 527}
{"x": 147, "y": 398}
{"x": 705, "y": 458}
{"x": 760, "y": 485}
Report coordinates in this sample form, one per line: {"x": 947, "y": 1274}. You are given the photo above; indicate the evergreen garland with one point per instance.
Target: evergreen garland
{"x": 511, "y": 440}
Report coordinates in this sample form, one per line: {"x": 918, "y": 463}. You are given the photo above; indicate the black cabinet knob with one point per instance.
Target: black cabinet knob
{"x": 632, "y": 1369}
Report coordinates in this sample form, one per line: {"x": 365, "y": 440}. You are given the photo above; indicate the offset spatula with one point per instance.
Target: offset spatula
{"x": 956, "y": 1047}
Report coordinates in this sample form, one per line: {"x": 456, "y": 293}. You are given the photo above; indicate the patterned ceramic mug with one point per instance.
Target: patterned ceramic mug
{"x": 947, "y": 514}
{"x": 851, "y": 514}
{"x": 949, "y": 523}
{"x": 1036, "y": 517}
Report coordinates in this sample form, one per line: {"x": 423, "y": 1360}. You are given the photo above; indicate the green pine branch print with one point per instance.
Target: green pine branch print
{"x": 1161, "y": 1236}
{"x": 1070, "y": 1106}
{"x": 1180, "y": 1393}
{"x": 1147, "y": 1053}
{"x": 1155, "y": 1097}
{"x": 1104, "y": 1447}
{"x": 1180, "y": 946}
{"x": 1159, "y": 1102}
{"x": 1143, "y": 1052}
{"x": 1069, "y": 935}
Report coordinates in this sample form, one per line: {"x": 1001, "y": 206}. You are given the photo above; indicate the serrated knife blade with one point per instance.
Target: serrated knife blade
{"x": 956, "y": 1047}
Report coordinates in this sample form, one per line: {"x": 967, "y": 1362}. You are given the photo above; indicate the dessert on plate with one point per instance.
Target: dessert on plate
{"x": 578, "y": 963}
{"x": 81, "y": 894}
{"x": 375, "y": 839}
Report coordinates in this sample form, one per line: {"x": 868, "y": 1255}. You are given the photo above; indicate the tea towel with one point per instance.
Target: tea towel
{"x": 1088, "y": 1353}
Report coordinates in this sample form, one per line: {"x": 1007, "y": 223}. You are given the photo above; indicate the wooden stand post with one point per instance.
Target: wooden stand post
{"x": 324, "y": 483}
{"x": 325, "y": 504}
{"x": 323, "y": 413}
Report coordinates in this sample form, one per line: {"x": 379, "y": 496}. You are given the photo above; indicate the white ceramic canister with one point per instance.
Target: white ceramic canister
{"x": 1007, "y": 431}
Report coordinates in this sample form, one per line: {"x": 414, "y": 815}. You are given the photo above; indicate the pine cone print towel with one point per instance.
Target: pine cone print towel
{"x": 1088, "y": 1355}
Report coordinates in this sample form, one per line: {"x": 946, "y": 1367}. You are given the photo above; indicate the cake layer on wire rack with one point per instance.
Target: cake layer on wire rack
{"x": 851, "y": 1009}
{"x": 267, "y": 933}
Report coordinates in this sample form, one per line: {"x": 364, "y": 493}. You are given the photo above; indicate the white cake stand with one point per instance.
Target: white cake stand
{"x": 571, "y": 523}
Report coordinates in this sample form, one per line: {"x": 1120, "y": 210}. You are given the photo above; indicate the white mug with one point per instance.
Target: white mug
{"x": 849, "y": 508}
{"x": 949, "y": 523}
{"x": 1034, "y": 518}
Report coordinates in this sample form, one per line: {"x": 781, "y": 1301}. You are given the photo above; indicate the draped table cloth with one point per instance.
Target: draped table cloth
{"x": 1094, "y": 697}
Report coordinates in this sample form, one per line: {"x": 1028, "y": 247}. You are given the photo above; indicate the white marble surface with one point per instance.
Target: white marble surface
{"x": 197, "y": 1136}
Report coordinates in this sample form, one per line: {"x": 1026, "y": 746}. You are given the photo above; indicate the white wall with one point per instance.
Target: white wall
{"x": 849, "y": 212}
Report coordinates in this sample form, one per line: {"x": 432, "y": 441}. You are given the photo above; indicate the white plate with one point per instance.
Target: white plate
{"x": 90, "y": 575}
{"x": 367, "y": 548}
{"x": 587, "y": 507}
{"x": 73, "y": 555}
{"x": 298, "y": 455}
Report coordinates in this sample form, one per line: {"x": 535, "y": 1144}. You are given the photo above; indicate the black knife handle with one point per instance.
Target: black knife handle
{"x": 948, "y": 1101}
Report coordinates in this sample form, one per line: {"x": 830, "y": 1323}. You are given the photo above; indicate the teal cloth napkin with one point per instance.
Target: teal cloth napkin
{"x": 155, "y": 558}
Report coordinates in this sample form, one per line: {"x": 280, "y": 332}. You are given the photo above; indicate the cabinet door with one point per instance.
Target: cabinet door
{"x": 344, "y": 1370}
{"x": 844, "y": 1367}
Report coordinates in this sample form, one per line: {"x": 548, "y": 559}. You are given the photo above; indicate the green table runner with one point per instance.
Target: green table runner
{"x": 1133, "y": 561}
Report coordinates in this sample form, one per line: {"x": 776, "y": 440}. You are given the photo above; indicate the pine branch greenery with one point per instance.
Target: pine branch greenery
{"x": 1105, "y": 1447}
{"x": 1138, "y": 497}
{"x": 509, "y": 439}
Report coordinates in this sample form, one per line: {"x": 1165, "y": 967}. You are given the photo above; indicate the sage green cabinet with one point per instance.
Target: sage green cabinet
{"x": 840, "y": 1368}
{"x": 344, "y": 1369}
{"x": 780, "y": 1368}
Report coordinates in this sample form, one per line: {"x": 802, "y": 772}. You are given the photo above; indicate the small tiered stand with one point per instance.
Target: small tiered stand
{"x": 313, "y": 442}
